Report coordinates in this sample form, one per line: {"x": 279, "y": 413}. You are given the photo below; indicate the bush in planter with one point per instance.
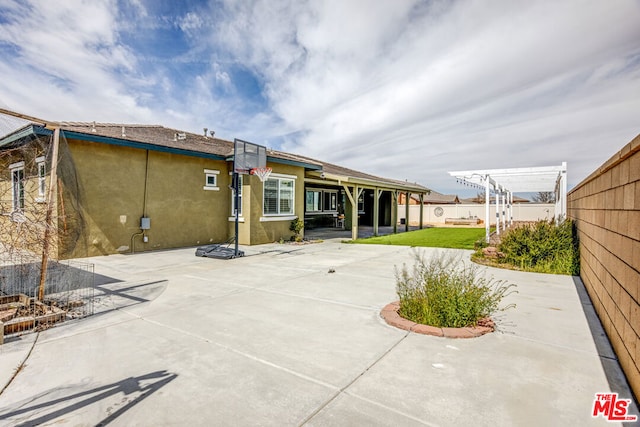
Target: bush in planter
{"x": 444, "y": 292}
{"x": 543, "y": 247}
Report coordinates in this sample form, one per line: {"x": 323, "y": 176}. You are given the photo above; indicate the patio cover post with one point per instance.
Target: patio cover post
{"x": 487, "y": 201}
{"x": 394, "y": 210}
{"x": 421, "y": 197}
{"x": 353, "y": 199}
{"x": 406, "y": 211}
{"x": 376, "y": 210}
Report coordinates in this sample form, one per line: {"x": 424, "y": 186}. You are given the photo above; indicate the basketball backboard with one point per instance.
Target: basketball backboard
{"x": 248, "y": 156}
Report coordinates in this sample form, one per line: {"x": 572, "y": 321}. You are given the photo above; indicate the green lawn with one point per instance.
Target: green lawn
{"x": 456, "y": 238}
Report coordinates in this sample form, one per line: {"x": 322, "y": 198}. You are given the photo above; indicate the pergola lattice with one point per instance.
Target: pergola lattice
{"x": 505, "y": 182}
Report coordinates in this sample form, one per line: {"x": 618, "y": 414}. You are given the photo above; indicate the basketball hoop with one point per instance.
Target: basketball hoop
{"x": 262, "y": 173}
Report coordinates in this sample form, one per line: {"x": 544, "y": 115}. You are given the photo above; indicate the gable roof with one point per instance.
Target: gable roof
{"x": 160, "y": 138}
{"x": 340, "y": 174}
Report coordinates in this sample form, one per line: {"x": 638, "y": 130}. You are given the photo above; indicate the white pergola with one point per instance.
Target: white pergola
{"x": 505, "y": 182}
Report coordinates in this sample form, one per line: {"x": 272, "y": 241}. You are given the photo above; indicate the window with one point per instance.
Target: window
{"x": 331, "y": 201}
{"x": 211, "y": 179}
{"x": 313, "y": 201}
{"x": 278, "y": 196}
{"x": 233, "y": 199}
{"x": 361, "y": 204}
{"x": 42, "y": 177}
{"x": 319, "y": 201}
{"x": 17, "y": 186}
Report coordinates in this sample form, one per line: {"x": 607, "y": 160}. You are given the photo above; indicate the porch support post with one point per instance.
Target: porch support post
{"x": 406, "y": 211}
{"x": 353, "y": 199}
{"x": 421, "y": 198}
{"x": 376, "y": 210}
{"x": 394, "y": 210}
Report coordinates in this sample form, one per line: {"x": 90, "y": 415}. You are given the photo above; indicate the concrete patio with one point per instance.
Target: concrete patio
{"x": 275, "y": 338}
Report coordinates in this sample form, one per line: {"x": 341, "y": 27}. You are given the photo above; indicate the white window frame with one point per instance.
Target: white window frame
{"x": 280, "y": 215}
{"x": 17, "y": 200}
{"x": 42, "y": 179}
{"x": 210, "y": 173}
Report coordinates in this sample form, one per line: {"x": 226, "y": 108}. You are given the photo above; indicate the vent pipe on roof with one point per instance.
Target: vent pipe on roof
{"x": 93, "y": 127}
{"x": 205, "y": 132}
{"x": 124, "y": 134}
{"x": 212, "y": 132}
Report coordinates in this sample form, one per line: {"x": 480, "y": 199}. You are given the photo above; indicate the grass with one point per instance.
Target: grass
{"x": 444, "y": 237}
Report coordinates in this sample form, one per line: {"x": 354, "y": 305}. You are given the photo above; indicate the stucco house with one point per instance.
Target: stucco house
{"x": 118, "y": 188}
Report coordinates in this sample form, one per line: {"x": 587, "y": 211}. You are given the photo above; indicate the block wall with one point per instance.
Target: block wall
{"x": 606, "y": 210}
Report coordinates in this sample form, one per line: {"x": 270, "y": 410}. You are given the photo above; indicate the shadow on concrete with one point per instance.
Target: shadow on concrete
{"x": 364, "y": 231}
{"x": 610, "y": 364}
{"x": 134, "y": 389}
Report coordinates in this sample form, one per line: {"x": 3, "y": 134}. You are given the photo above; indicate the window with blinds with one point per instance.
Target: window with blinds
{"x": 278, "y": 196}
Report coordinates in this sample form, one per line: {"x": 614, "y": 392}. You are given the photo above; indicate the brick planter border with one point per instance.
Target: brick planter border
{"x": 390, "y": 315}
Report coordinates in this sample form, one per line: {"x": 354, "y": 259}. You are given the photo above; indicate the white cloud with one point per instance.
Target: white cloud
{"x": 405, "y": 89}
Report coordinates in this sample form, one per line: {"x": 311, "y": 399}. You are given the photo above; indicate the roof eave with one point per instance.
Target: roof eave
{"x": 141, "y": 145}
{"x": 24, "y": 132}
{"x": 345, "y": 179}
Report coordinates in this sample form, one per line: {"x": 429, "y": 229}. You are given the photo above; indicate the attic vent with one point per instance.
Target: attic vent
{"x": 182, "y": 136}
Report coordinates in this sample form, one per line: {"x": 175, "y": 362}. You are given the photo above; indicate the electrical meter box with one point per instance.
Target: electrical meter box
{"x": 145, "y": 223}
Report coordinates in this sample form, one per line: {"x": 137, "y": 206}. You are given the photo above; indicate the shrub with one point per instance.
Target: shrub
{"x": 296, "y": 226}
{"x": 543, "y": 247}
{"x": 444, "y": 292}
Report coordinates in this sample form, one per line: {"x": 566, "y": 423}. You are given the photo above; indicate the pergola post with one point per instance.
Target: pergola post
{"x": 510, "y": 209}
{"x": 497, "y": 212}
{"x": 504, "y": 213}
{"x": 487, "y": 202}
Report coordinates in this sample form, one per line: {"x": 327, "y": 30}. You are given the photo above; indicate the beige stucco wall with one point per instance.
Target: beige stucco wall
{"x": 108, "y": 193}
{"x": 256, "y": 229}
{"x": 521, "y": 212}
{"x": 606, "y": 209}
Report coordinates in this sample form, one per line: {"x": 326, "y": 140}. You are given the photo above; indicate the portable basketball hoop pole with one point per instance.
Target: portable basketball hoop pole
{"x": 247, "y": 157}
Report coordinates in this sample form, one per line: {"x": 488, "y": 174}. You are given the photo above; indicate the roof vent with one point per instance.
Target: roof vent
{"x": 93, "y": 126}
{"x": 205, "y": 132}
{"x": 124, "y": 134}
{"x": 181, "y": 136}
{"x": 212, "y": 132}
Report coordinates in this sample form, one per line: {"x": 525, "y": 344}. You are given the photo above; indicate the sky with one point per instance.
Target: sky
{"x": 404, "y": 89}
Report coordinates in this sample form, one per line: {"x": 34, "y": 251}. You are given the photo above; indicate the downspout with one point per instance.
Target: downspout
{"x": 144, "y": 203}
